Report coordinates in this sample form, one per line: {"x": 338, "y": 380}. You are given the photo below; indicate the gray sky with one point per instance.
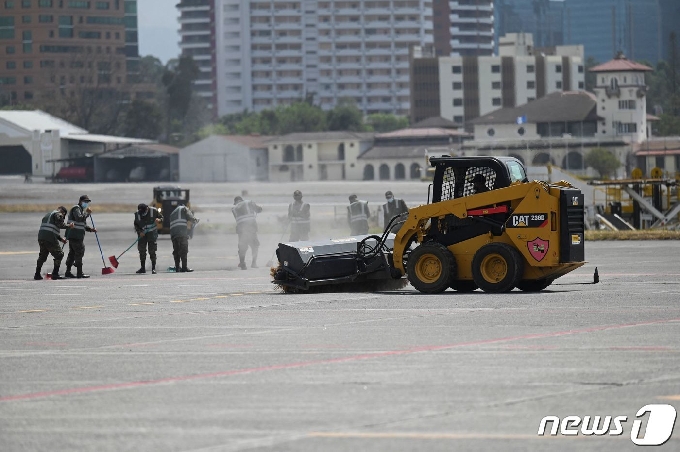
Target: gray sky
{"x": 158, "y": 28}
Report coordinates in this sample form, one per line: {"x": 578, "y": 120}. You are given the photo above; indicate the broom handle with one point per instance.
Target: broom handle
{"x": 99, "y": 244}
{"x": 133, "y": 244}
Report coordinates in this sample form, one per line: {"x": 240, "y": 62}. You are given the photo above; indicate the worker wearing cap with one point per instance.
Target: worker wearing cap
{"x": 76, "y": 236}
{"x": 146, "y": 221}
{"x": 392, "y": 208}
{"x": 245, "y": 213}
{"x": 298, "y": 216}
{"x": 479, "y": 183}
{"x": 49, "y": 238}
{"x": 357, "y": 216}
{"x": 179, "y": 233}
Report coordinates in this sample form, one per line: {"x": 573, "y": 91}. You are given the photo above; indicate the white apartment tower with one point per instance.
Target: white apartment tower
{"x": 274, "y": 52}
{"x": 195, "y": 33}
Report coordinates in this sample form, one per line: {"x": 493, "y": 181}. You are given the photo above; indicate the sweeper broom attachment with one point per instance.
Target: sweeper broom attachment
{"x": 352, "y": 264}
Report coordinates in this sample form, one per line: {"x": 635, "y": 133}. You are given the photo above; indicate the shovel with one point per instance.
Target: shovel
{"x": 105, "y": 270}
{"x": 114, "y": 259}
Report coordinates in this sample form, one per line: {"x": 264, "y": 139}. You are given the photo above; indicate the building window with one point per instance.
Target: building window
{"x": 531, "y": 84}
{"x": 10, "y": 50}
{"x": 28, "y": 95}
{"x": 457, "y": 102}
{"x": 457, "y": 69}
{"x": 521, "y": 131}
{"x": 28, "y": 80}
{"x": 79, "y": 4}
{"x": 558, "y": 68}
{"x": 458, "y": 119}
{"x": 495, "y": 69}
{"x": 580, "y": 69}
{"x": 627, "y": 105}
{"x": 25, "y": 3}
{"x": 531, "y": 69}
{"x": 558, "y": 84}
{"x": 622, "y": 127}
{"x": 491, "y": 132}
{"x": 45, "y": 19}
{"x": 28, "y": 64}
{"x": 9, "y": 4}
{"x": 457, "y": 86}
{"x": 495, "y": 85}
{"x": 45, "y": 3}
{"x": 581, "y": 85}
{"x": 102, "y": 5}
{"x": 531, "y": 99}
{"x": 25, "y": 19}
{"x": 11, "y": 65}
{"x": 496, "y": 102}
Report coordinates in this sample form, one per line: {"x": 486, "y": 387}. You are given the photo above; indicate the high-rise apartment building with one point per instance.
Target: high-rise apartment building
{"x": 464, "y": 27}
{"x": 197, "y": 41}
{"x": 670, "y": 28}
{"x": 544, "y": 19}
{"x": 271, "y": 53}
{"x": 606, "y": 27}
{"x": 66, "y": 46}
{"x": 464, "y": 88}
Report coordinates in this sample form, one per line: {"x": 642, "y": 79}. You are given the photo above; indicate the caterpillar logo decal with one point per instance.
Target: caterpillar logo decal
{"x": 528, "y": 220}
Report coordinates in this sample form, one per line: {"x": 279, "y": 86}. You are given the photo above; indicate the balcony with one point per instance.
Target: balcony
{"x": 455, "y": 19}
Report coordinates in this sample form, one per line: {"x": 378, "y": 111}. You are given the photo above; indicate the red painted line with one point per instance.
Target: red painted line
{"x": 302, "y": 364}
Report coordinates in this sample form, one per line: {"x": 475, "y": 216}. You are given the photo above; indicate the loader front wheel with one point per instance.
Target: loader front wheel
{"x": 430, "y": 267}
{"x": 497, "y": 268}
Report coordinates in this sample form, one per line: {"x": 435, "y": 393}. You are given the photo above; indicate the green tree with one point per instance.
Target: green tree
{"x": 178, "y": 79}
{"x": 591, "y": 77}
{"x": 345, "y": 117}
{"x": 603, "y": 161}
{"x": 142, "y": 120}
{"x": 385, "y": 122}
{"x": 213, "y": 129}
{"x": 668, "y": 125}
{"x": 300, "y": 117}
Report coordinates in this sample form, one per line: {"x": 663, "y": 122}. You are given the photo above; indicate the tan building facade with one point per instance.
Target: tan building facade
{"x": 67, "y": 47}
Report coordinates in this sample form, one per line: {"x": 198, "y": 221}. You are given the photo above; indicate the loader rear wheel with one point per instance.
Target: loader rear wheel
{"x": 464, "y": 286}
{"x": 497, "y": 268}
{"x": 431, "y": 267}
{"x": 534, "y": 285}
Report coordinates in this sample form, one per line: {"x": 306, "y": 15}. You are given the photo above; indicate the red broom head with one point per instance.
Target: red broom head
{"x": 114, "y": 261}
{"x": 107, "y": 270}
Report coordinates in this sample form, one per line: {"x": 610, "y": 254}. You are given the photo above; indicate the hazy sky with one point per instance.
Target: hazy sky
{"x": 157, "y": 22}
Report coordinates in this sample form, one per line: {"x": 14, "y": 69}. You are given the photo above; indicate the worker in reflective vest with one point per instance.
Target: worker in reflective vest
{"x": 392, "y": 208}
{"x": 245, "y": 213}
{"x": 76, "y": 236}
{"x": 298, "y": 215}
{"x": 49, "y": 238}
{"x": 357, "y": 216}
{"x": 179, "y": 233}
{"x": 146, "y": 221}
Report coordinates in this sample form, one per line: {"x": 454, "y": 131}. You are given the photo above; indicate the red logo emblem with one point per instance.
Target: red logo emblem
{"x": 538, "y": 248}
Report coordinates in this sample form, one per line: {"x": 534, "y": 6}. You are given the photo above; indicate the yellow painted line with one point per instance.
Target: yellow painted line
{"x": 15, "y": 253}
{"x": 253, "y": 292}
{"x": 139, "y": 304}
{"x": 671, "y": 397}
{"x": 88, "y": 307}
{"x": 199, "y": 299}
{"x": 148, "y": 302}
{"x": 179, "y": 301}
{"x": 434, "y": 435}
{"x": 32, "y": 310}
{"x": 222, "y": 296}
{"x": 236, "y": 294}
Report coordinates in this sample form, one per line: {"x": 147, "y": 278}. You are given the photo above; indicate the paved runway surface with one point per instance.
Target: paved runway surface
{"x": 218, "y": 360}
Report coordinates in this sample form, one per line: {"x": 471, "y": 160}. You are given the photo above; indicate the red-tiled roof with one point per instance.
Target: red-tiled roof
{"x": 620, "y": 64}
{"x": 425, "y": 132}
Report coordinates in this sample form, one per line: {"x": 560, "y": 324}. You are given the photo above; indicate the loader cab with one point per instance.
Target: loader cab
{"x": 166, "y": 198}
{"x": 454, "y": 176}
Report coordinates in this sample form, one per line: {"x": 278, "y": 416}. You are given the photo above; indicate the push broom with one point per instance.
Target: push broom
{"x": 105, "y": 270}
{"x": 114, "y": 259}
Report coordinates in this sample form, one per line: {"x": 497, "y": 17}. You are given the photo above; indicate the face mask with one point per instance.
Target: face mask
{"x": 390, "y": 199}
{"x": 84, "y": 204}
{"x": 298, "y": 198}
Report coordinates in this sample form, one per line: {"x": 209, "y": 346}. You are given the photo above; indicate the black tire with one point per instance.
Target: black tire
{"x": 497, "y": 268}
{"x": 534, "y": 286}
{"x": 464, "y": 286}
{"x": 430, "y": 268}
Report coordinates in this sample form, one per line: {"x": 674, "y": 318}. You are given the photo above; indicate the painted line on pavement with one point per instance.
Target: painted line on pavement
{"x": 304, "y": 364}
{"x": 672, "y": 397}
{"x": 408, "y": 435}
{"x": 15, "y": 253}
{"x": 88, "y": 307}
{"x": 28, "y": 311}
